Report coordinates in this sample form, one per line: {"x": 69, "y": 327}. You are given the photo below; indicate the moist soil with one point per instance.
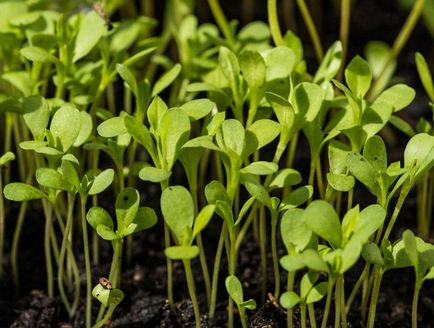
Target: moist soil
{"x": 145, "y": 304}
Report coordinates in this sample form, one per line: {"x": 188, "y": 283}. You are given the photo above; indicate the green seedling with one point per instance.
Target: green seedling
{"x": 235, "y": 291}
{"x": 130, "y": 218}
{"x": 345, "y": 239}
{"x": 109, "y": 297}
{"x": 178, "y": 211}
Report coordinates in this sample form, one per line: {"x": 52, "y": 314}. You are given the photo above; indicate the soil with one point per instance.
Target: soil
{"x": 144, "y": 285}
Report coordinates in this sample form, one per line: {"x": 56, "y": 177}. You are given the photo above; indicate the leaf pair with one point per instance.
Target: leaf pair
{"x": 130, "y": 218}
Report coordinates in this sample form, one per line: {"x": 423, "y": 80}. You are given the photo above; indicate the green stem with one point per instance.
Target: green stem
{"x": 274, "y": 220}
{"x": 290, "y": 288}
{"x": 263, "y": 251}
{"x": 47, "y": 251}
{"x": 273, "y": 21}
{"x": 106, "y": 317}
{"x": 232, "y": 271}
{"x": 2, "y": 225}
{"x": 204, "y": 267}
{"x": 83, "y": 200}
{"x": 328, "y": 303}
{"x": 222, "y": 22}
{"x": 341, "y": 281}
{"x": 312, "y": 319}
{"x": 311, "y": 29}
{"x": 417, "y": 287}
{"x": 374, "y": 297}
{"x": 344, "y": 32}
{"x": 303, "y": 315}
{"x": 192, "y": 291}
{"x": 216, "y": 271}
{"x": 356, "y": 288}
{"x": 15, "y": 245}
{"x": 337, "y": 305}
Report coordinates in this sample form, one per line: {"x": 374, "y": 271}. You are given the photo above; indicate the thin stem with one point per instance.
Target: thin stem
{"x": 328, "y": 303}
{"x": 15, "y": 245}
{"x": 303, "y": 315}
{"x": 83, "y": 200}
{"x": 216, "y": 271}
{"x": 232, "y": 270}
{"x": 311, "y": 311}
{"x": 417, "y": 287}
{"x": 243, "y": 319}
{"x": 106, "y": 317}
{"x": 222, "y": 22}
{"x": 290, "y": 288}
{"x": 274, "y": 220}
{"x": 204, "y": 266}
{"x": 2, "y": 225}
{"x": 311, "y": 29}
{"x": 374, "y": 297}
{"x": 192, "y": 291}
{"x": 47, "y": 251}
{"x": 337, "y": 305}
{"x": 342, "y": 299}
{"x": 356, "y": 288}
{"x": 263, "y": 251}
{"x": 344, "y": 32}
{"x": 273, "y": 21}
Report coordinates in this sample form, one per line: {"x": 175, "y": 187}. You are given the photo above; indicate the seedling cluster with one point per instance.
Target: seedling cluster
{"x": 94, "y": 112}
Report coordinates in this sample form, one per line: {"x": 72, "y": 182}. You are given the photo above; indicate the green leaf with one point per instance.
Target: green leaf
{"x": 127, "y": 205}
{"x": 178, "y": 210}
{"x": 215, "y": 191}
{"x": 295, "y": 232}
{"x": 260, "y": 168}
{"x": 174, "y": 131}
{"x": 155, "y": 112}
{"x": 349, "y": 222}
{"x": 203, "y": 219}
{"x": 253, "y": 68}
{"x": 363, "y": 171}
{"x": 307, "y": 99}
{"x": 370, "y": 219}
{"x": 228, "y": 64}
{"x": 36, "y": 114}
{"x": 259, "y": 192}
{"x": 198, "y": 108}
{"x": 372, "y": 254}
{"x": 234, "y": 289}
{"x": 322, "y": 219}
{"x": 376, "y": 154}
{"x": 98, "y": 216}
{"x": 350, "y": 255}
{"x": 340, "y": 182}
{"x": 280, "y": 63}
{"x": 65, "y": 126}
{"x": 317, "y": 293}
{"x": 92, "y": 28}
{"x": 398, "y": 96}
{"x": 293, "y": 262}
{"x": 411, "y": 248}
{"x": 425, "y": 75}
{"x": 265, "y": 131}
{"x": 145, "y": 219}
{"x": 296, "y": 197}
{"x": 154, "y": 174}
{"x": 51, "y": 178}
{"x": 112, "y": 127}
{"x": 128, "y": 77}
{"x": 232, "y": 137}
{"x": 358, "y": 76}
{"x": 314, "y": 261}
{"x": 307, "y": 283}
{"x": 22, "y": 82}
{"x": 85, "y": 129}
{"x": 166, "y": 79}
{"x": 101, "y": 182}
{"x": 285, "y": 178}
{"x": 6, "y": 157}
{"x": 36, "y": 54}
{"x": 107, "y": 296}
{"x": 182, "y": 252}
{"x": 420, "y": 152}
{"x": 201, "y": 142}
{"x": 250, "y": 304}
{"x": 402, "y": 125}
{"x": 139, "y": 132}
{"x": 106, "y": 233}
{"x": 289, "y": 299}
{"x": 375, "y": 118}
{"x": 20, "y": 192}
{"x": 331, "y": 63}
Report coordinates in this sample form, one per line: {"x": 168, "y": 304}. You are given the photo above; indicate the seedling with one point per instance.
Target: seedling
{"x": 235, "y": 290}
{"x": 130, "y": 218}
